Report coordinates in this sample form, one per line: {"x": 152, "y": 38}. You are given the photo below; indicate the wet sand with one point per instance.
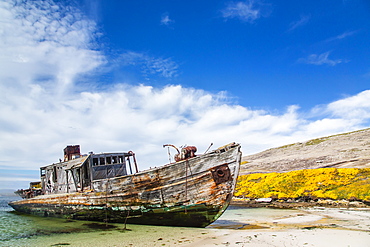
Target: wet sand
{"x": 309, "y": 227}
{"x": 237, "y": 227}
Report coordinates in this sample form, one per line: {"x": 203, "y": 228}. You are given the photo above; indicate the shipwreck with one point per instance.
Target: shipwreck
{"x": 194, "y": 190}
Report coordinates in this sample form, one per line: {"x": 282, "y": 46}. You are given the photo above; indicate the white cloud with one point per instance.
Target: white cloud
{"x": 39, "y": 117}
{"x": 44, "y": 40}
{"x": 164, "y": 67}
{"x": 165, "y": 20}
{"x": 301, "y": 22}
{"x": 342, "y": 36}
{"x": 355, "y": 107}
{"x": 321, "y": 59}
{"x": 247, "y": 11}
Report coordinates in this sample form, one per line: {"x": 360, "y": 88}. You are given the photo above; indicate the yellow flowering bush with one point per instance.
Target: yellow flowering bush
{"x": 333, "y": 183}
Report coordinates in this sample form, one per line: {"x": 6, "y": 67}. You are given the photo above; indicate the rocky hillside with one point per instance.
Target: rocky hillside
{"x": 347, "y": 150}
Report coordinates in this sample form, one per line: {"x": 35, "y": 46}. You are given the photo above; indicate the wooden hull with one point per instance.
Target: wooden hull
{"x": 193, "y": 192}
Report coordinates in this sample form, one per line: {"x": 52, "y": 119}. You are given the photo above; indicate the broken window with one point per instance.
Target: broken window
{"x": 120, "y": 159}
{"x": 102, "y": 161}
{"x": 95, "y": 161}
{"x": 109, "y": 160}
{"x": 55, "y": 177}
{"x": 109, "y": 166}
{"x": 86, "y": 172}
{"x": 115, "y": 160}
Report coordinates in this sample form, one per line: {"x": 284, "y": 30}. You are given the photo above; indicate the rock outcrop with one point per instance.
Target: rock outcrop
{"x": 347, "y": 150}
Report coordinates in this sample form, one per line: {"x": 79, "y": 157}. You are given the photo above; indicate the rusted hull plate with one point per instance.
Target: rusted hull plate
{"x": 194, "y": 192}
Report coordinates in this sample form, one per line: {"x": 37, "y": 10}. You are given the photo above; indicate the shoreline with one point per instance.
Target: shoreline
{"x": 238, "y": 226}
{"x": 297, "y": 203}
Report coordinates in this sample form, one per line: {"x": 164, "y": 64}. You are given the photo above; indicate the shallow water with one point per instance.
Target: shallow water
{"x": 15, "y": 227}
{"x": 25, "y": 230}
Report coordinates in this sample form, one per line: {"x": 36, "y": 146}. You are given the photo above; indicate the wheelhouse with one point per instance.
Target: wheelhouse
{"x": 77, "y": 172}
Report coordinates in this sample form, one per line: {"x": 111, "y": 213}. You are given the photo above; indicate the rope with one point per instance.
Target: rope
{"x": 128, "y": 214}
{"x": 130, "y": 204}
{"x": 106, "y": 203}
{"x": 169, "y": 154}
{"x": 186, "y": 183}
{"x": 191, "y": 173}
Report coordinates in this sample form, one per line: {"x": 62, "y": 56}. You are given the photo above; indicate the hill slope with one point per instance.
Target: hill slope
{"x": 347, "y": 150}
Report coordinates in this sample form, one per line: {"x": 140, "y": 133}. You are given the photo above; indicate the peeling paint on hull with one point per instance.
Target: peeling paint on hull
{"x": 193, "y": 216}
{"x": 193, "y": 192}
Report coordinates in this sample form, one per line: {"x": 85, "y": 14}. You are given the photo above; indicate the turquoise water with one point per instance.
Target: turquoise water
{"x": 13, "y": 226}
{"x": 16, "y": 228}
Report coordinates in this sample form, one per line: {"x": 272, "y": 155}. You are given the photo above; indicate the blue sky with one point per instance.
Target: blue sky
{"x": 266, "y": 54}
{"x": 133, "y": 75}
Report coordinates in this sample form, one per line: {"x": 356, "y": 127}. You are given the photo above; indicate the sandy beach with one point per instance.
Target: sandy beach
{"x": 237, "y": 227}
{"x": 306, "y": 227}
{"x": 287, "y": 238}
